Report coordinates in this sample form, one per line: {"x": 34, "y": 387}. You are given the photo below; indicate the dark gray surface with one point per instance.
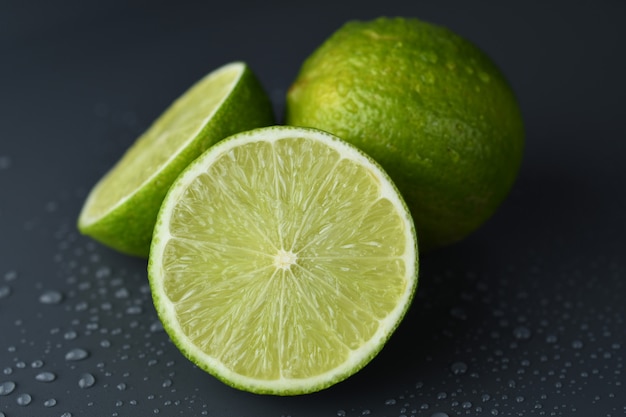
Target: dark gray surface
{"x": 526, "y": 317}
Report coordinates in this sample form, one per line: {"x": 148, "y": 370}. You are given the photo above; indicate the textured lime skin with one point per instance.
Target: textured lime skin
{"x": 128, "y": 227}
{"x": 429, "y": 106}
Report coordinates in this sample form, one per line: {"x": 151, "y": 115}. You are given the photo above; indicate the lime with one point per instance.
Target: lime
{"x": 121, "y": 209}
{"x": 282, "y": 260}
{"x": 429, "y": 106}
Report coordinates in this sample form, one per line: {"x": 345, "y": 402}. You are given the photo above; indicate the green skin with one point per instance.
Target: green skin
{"x": 128, "y": 228}
{"x": 429, "y": 106}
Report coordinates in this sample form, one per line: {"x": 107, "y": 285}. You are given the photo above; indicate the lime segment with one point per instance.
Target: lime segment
{"x": 121, "y": 209}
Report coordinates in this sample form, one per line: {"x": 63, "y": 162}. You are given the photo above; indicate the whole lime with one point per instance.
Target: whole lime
{"x": 430, "y": 106}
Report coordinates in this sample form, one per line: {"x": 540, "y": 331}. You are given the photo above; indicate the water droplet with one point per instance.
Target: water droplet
{"x": 70, "y": 335}
{"x": 577, "y": 344}
{"x": 36, "y": 364}
{"x": 134, "y": 310}
{"x": 51, "y": 297}
{"x": 5, "y": 291}
{"x": 7, "y": 387}
{"x": 5, "y": 162}
{"x": 50, "y": 402}
{"x": 391, "y": 401}
{"x": 24, "y": 400}
{"x": 440, "y": 414}
{"x": 45, "y": 377}
{"x": 167, "y": 383}
{"x": 66, "y": 414}
{"x": 484, "y": 77}
{"x": 121, "y": 386}
{"x": 10, "y": 276}
{"x": 458, "y": 368}
{"x": 86, "y": 380}
{"x": 156, "y": 327}
{"x": 122, "y": 293}
{"x": 522, "y": 333}
{"x": 76, "y": 354}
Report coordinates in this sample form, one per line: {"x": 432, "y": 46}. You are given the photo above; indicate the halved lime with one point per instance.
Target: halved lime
{"x": 283, "y": 258}
{"x": 121, "y": 209}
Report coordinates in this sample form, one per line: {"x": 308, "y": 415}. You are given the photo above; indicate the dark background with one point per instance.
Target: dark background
{"x": 524, "y": 318}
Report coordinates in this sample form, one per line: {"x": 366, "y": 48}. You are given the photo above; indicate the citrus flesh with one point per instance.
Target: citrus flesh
{"x": 282, "y": 260}
{"x": 121, "y": 209}
{"x": 429, "y": 106}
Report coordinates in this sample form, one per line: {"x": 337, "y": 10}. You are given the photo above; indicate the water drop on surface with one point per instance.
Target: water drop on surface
{"x": 36, "y": 363}
{"x": 440, "y": 414}
{"x": 156, "y": 327}
{"x": 522, "y": 333}
{"x": 45, "y": 377}
{"x": 76, "y": 354}
{"x": 5, "y": 291}
{"x": 50, "y": 403}
{"x": 86, "y": 380}
{"x": 10, "y": 276}
{"x": 134, "y": 310}
{"x": 7, "y": 387}
{"x": 458, "y": 368}
{"x": 5, "y": 162}
{"x": 51, "y": 297}
{"x": 70, "y": 335}
{"x": 24, "y": 400}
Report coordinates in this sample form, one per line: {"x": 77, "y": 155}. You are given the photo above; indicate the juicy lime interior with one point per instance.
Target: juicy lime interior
{"x": 162, "y": 141}
{"x": 283, "y": 260}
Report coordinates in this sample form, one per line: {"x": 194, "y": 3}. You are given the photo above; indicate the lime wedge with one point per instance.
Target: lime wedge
{"x": 121, "y": 209}
{"x": 283, "y": 259}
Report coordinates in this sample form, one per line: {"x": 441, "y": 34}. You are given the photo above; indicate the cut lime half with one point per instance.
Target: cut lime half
{"x": 283, "y": 259}
{"x": 121, "y": 209}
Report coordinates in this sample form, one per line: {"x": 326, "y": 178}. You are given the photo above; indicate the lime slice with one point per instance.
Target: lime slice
{"x": 121, "y": 209}
{"x": 282, "y": 260}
